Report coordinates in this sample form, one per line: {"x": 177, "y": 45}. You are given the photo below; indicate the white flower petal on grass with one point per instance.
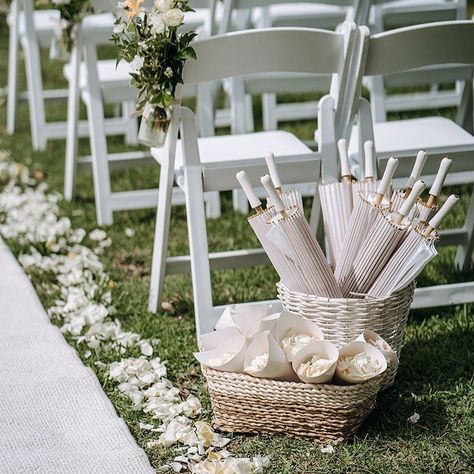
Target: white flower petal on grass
{"x": 129, "y": 232}
{"x": 146, "y": 349}
{"x": 98, "y": 234}
{"x": 327, "y": 449}
{"x": 415, "y": 418}
{"x": 82, "y": 302}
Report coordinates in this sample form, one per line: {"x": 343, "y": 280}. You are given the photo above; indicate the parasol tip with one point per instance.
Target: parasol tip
{"x": 272, "y": 192}
{"x": 420, "y": 162}
{"x": 344, "y": 157}
{"x": 386, "y": 180}
{"x": 369, "y": 154}
{"x": 410, "y": 201}
{"x": 244, "y": 181}
{"x": 442, "y": 213}
{"x": 271, "y": 165}
{"x": 443, "y": 170}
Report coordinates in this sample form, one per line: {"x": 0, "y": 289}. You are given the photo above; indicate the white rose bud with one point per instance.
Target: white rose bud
{"x": 173, "y": 17}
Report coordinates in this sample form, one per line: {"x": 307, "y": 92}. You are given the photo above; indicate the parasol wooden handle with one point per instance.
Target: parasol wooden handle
{"x": 390, "y": 169}
{"x": 345, "y": 168}
{"x": 407, "y": 206}
{"x": 420, "y": 161}
{"x": 441, "y": 214}
{"x": 369, "y": 153}
{"x": 244, "y": 181}
{"x": 435, "y": 190}
{"x": 271, "y": 165}
{"x": 272, "y": 192}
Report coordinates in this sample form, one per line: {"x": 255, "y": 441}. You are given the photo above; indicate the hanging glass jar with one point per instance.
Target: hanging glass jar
{"x": 154, "y": 126}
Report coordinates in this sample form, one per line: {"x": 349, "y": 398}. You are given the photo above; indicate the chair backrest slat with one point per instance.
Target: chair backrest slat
{"x": 419, "y": 46}
{"x": 268, "y": 50}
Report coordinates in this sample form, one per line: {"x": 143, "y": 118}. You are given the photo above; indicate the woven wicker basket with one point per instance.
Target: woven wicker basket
{"x": 343, "y": 320}
{"x": 326, "y": 413}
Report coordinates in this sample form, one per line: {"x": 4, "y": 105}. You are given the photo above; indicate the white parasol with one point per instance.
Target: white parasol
{"x": 412, "y": 256}
{"x": 336, "y": 206}
{"x": 427, "y": 210}
{"x": 383, "y": 238}
{"x": 260, "y": 226}
{"x": 369, "y": 183}
{"x": 366, "y": 210}
{"x": 399, "y": 196}
{"x": 289, "y": 232}
{"x": 290, "y": 198}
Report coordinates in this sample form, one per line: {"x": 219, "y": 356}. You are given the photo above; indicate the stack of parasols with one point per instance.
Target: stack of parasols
{"x": 378, "y": 240}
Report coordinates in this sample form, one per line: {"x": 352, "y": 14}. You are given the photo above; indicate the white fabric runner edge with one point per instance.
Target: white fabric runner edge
{"x": 54, "y": 415}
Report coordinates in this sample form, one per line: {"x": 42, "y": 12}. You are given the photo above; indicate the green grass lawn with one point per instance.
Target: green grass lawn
{"x": 436, "y": 370}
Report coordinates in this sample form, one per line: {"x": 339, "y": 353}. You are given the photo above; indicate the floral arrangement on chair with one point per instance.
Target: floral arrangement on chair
{"x": 72, "y": 12}
{"x": 150, "y": 42}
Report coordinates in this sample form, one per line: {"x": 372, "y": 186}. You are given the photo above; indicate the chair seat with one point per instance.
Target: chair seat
{"x": 114, "y": 80}
{"x": 404, "y": 138}
{"x": 247, "y": 151}
{"x": 44, "y": 21}
{"x": 110, "y": 73}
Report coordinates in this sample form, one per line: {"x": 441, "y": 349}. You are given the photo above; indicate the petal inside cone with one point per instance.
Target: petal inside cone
{"x": 266, "y": 359}
{"x": 228, "y": 357}
{"x": 293, "y": 332}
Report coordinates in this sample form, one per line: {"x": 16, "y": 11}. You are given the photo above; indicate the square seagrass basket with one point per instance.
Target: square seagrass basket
{"x": 327, "y": 413}
{"x": 344, "y": 319}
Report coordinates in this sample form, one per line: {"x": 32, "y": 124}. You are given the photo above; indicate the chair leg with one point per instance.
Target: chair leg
{"x": 213, "y": 205}
{"x": 239, "y": 201}
{"x": 72, "y": 136}
{"x": 35, "y": 84}
{"x": 131, "y": 134}
{"x": 464, "y": 252}
{"x": 249, "y": 122}
{"x": 199, "y": 252}
{"x": 13, "y": 51}
{"x": 160, "y": 244}
{"x": 377, "y": 99}
{"x": 269, "y": 105}
{"x": 100, "y": 165}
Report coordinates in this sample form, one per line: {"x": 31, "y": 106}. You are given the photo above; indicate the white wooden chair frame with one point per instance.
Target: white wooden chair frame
{"x": 384, "y": 13}
{"x": 93, "y": 94}
{"x": 408, "y": 49}
{"x": 41, "y": 129}
{"x": 271, "y": 110}
{"x": 249, "y": 50}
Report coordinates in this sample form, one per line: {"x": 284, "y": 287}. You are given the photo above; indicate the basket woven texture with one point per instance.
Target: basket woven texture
{"x": 342, "y": 320}
{"x": 326, "y": 413}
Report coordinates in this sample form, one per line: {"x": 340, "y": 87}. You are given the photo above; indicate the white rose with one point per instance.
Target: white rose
{"x": 164, "y": 5}
{"x": 173, "y": 17}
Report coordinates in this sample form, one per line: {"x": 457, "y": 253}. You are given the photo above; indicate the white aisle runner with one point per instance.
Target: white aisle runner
{"x": 54, "y": 415}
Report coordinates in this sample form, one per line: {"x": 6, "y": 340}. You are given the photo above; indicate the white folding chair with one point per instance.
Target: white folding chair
{"x": 417, "y": 49}
{"x": 387, "y": 14}
{"x": 30, "y": 29}
{"x": 33, "y": 30}
{"x": 210, "y": 164}
{"x": 98, "y": 82}
{"x": 326, "y": 14}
